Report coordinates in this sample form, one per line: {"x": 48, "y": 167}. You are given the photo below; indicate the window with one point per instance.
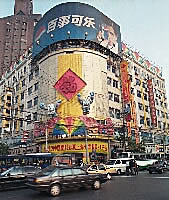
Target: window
{"x": 17, "y": 87}
{"x": 66, "y": 172}
{"x": 132, "y": 90}
{"x": 115, "y": 83}
{"x": 16, "y": 111}
{"x": 55, "y": 173}
{"x": 159, "y": 124}
{"x": 30, "y": 77}
{"x": 111, "y": 112}
{"x": 35, "y": 116}
{"x": 116, "y": 98}
{"x": 21, "y": 108}
{"x": 141, "y": 120}
{"x": 145, "y": 97}
{"x": 110, "y": 95}
{"x": 138, "y": 82}
{"x": 30, "y": 169}
{"x": 28, "y": 119}
{"x": 109, "y": 80}
{"x": 30, "y": 90}
{"x": 130, "y": 77}
{"x": 35, "y": 101}
{"x": 16, "y": 99}
{"x": 108, "y": 67}
{"x": 29, "y": 104}
{"x": 15, "y": 171}
{"x": 148, "y": 121}
{"x": 37, "y": 72}
{"x": 8, "y": 111}
{"x": 22, "y": 95}
{"x": 24, "y": 69}
{"x": 36, "y": 86}
{"x": 113, "y": 69}
{"x": 140, "y": 105}
{"x": 78, "y": 171}
{"x": 138, "y": 93}
{"x": 23, "y": 83}
{"x": 146, "y": 108}
{"x": 117, "y": 113}
{"x": 117, "y": 162}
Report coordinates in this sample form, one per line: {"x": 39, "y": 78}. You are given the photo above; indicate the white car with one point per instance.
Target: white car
{"x": 119, "y": 164}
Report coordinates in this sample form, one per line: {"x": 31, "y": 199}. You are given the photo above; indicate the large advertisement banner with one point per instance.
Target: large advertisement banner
{"x": 76, "y": 147}
{"x": 152, "y": 103}
{"x": 125, "y": 82}
{"x": 76, "y": 20}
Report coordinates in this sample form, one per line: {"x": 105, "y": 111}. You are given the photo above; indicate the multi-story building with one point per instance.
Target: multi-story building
{"x": 16, "y": 33}
{"x": 71, "y": 94}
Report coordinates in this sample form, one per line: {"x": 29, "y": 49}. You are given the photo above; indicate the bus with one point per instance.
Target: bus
{"x": 143, "y": 160}
{"x": 37, "y": 159}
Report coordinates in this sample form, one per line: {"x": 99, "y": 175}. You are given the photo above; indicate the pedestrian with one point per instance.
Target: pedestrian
{"x": 136, "y": 168}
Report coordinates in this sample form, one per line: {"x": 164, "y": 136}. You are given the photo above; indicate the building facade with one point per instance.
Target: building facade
{"x": 80, "y": 91}
{"x": 16, "y": 33}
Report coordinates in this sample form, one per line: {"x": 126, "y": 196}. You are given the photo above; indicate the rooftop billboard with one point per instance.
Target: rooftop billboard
{"x": 76, "y": 21}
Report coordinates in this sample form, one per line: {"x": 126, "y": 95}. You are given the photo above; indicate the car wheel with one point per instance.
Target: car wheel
{"x": 96, "y": 185}
{"x": 108, "y": 176}
{"x": 161, "y": 171}
{"x": 150, "y": 172}
{"x": 119, "y": 172}
{"x": 55, "y": 190}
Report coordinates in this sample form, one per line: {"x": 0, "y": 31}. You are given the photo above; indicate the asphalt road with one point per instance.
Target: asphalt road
{"x": 141, "y": 187}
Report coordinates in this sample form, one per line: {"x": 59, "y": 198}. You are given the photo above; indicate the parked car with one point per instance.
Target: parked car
{"x": 15, "y": 177}
{"x": 158, "y": 167}
{"x": 101, "y": 169}
{"x": 54, "y": 179}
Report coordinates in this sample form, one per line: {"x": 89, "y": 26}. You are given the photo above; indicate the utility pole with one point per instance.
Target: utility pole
{"x": 86, "y": 142}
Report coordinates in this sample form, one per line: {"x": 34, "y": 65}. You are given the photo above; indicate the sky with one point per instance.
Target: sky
{"x": 144, "y": 25}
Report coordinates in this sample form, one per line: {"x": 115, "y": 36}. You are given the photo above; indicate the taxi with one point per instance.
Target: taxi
{"x": 101, "y": 169}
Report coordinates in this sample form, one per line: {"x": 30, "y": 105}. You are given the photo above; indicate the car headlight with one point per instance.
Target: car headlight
{"x": 39, "y": 180}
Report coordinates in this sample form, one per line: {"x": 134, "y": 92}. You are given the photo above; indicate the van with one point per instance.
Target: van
{"x": 119, "y": 164}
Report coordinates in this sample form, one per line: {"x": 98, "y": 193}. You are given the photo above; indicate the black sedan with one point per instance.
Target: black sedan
{"x": 15, "y": 177}
{"x": 54, "y": 179}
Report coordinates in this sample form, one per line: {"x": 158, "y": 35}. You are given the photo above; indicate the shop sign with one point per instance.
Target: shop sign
{"x": 76, "y": 147}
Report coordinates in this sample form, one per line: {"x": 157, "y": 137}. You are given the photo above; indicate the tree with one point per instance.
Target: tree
{"x": 135, "y": 148}
{"x": 3, "y": 149}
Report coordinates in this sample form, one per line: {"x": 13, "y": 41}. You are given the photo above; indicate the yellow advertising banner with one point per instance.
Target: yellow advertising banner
{"x": 76, "y": 147}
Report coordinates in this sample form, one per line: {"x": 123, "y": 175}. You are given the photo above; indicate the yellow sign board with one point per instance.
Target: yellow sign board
{"x": 76, "y": 147}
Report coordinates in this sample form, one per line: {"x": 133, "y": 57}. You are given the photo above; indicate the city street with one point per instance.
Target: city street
{"x": 141, "y": 187}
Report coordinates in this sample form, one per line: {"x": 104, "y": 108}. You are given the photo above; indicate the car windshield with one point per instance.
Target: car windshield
{"x": 47, "y": 171}
{"x": 13, "y": 171}
{"x": 7, "y": 171}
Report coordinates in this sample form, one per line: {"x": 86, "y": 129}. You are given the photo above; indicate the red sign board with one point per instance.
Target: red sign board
{"x": 69, "y": 84}
{"x": 152, "y": 103}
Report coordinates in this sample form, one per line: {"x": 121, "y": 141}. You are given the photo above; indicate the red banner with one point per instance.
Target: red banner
{"x": 152, "y": 103}
{"x": 125, "y": 81}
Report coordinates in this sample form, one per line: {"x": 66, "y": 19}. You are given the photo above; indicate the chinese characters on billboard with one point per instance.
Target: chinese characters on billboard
{"x": 76, "y": 21}
{"x": 76, "y": 147}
